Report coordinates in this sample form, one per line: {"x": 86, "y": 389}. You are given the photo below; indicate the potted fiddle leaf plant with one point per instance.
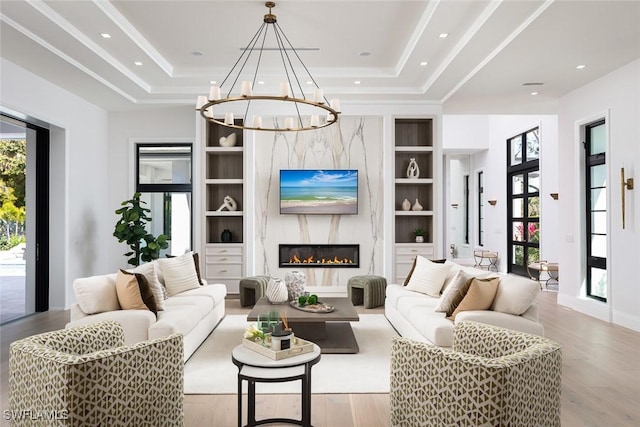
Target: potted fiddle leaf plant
{"x": 131, "y": 228}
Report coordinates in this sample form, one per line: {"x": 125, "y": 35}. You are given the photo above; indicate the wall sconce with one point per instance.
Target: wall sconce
{"x": 554, "y": 196}
{"x": 492, "y": 202}
{"x": 628, "y": 185}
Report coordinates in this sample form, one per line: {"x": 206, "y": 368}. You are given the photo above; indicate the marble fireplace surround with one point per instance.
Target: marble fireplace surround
{"x": 302, "y": 255}
{"x": 355, "y": 143}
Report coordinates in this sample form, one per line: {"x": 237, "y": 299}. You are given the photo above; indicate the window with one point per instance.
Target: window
{"x": 164, "y": 179}
{"x": 480, "y": 209}
{"x": 466, "y": 209}
{"x": 596, "y": 209}
{"x": 523, "y": 207}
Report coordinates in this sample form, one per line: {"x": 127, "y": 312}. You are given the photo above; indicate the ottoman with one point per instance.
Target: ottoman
{"x": 367, "y": 290}
{"x": 252, "y": 289}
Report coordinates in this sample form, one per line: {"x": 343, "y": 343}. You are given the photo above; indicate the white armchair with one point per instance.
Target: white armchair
{"x": 490, "y": 377}
{"x": 86, "y": 376}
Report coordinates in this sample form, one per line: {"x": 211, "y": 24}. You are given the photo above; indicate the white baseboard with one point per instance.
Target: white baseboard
{"x": 587, "y": 306}
{"x": 626, "y": 320}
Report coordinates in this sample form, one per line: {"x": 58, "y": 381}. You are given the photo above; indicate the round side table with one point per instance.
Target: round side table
{"x": 255, "y": 368}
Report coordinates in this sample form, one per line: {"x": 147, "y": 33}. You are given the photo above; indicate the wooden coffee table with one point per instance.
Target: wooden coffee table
{"x": 330, "y": 331}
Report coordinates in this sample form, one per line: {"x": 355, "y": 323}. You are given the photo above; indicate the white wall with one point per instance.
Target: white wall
{"x": 616, "y": 95}
{"x": 78, "y": 175}
{"x": 174, "y": 124}
{"x": 475, "y": 133}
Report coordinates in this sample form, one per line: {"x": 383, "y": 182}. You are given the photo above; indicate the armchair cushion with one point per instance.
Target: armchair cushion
{"x": 85, "y": 375}
{"x": 509, "y": 378}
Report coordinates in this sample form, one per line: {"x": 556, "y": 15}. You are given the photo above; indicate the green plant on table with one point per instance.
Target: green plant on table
{"x": 307, "y": 300}
{"x": 418, "y": 232}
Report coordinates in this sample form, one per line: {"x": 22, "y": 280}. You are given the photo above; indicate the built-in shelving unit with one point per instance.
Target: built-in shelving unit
{"x": 413, "y": 139}
{"x": 224, "y": 176}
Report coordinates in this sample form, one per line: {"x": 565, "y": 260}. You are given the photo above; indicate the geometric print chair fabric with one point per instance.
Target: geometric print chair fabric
{"x": 490, "y": 377}
{"x": 86, "y": 376}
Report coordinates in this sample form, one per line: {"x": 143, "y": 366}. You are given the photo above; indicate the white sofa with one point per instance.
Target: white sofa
{"x": 412, "y": 313}
{"x": 193, "y": 313}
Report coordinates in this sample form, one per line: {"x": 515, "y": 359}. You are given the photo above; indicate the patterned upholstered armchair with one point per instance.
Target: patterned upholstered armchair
{"x": 85, "y": 376}
{"x": 491, "y": 377}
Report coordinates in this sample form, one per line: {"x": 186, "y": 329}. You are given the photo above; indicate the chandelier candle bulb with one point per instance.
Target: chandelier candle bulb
{"x": 288, "y": 123}
{"x": 285, "y": 89}
{"x": 228, "y": 118}
{"x": 315, "y": 121}
{"x": 246, "y": 89}
{"x": 257, "y": 122}
{"x": 318, "y": 96}
{"x": 214, "y": 93}
{"x": 335, "y": 104}
{"x": 201, "y": 101}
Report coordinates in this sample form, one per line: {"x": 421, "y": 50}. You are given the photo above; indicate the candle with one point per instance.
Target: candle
{"x": 288, "y": 123}
{"x": 214, "y": 93}
{"x": 335, "y": 104}
{"x": 257, "y": 121}
{"x": 285, "y": 89}
{"x": 246, "y": 89}
{"x": 201, "y": 101}
{"x": 228, "y": 118}
{"x": 318, "y": 95}
{"x": 315, "y": 121}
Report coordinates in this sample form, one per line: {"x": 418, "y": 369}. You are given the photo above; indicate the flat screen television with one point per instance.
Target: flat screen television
{"x": 319, "y": 192}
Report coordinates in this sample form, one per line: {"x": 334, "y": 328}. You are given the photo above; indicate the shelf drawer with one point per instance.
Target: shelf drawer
{"x": 223, "y": 250}
{"x": 412, "y": 249}
{"x": 223, "y": 271}
{"x": 224, "y": 259}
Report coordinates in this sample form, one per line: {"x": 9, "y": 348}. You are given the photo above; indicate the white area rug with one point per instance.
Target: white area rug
{"x": 210, "y": 370}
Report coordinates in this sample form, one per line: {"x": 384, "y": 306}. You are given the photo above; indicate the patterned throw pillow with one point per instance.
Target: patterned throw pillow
{"x": 149, "y": 271}
{"x": 134, "y": 293}
{"x": 179, "y": 273}
{"x": 479, "y": 296}
{"x": 454, "y": 293}
{"x": 427, "y": 277}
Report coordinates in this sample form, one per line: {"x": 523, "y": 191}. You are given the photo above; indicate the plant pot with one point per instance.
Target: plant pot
{"x": 419, "y": 239}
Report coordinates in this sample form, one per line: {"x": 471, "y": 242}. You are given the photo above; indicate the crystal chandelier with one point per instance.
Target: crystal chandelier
{"x": 303, "y": 112}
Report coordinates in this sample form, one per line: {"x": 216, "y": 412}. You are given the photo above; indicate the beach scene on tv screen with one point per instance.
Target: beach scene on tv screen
{"x": 319, "y": 192}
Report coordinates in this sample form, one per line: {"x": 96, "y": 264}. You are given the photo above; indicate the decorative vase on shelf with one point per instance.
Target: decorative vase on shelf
{"x": 406, "y": 205}
{"x": 417, "y": 206}
{"x": 277, "y": 291}
{"x": 225, "y": 236}
{"x": 295, "y": 282}
{"x": 413, "y": 171}
{"x": 228, "y": 141}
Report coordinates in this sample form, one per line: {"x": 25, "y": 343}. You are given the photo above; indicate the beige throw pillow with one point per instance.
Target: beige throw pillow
{"x": 479, "y": 296}
{"x": 149, "y": 271}
{"x": 179, "y": 273}
{"x": 427, "y": 277}
{"x": 97, "y": 294}
{"x": 134, "y": 293}
{"x": 453, "y": 294}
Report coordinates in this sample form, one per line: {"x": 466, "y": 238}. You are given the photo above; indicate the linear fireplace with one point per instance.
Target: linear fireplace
{"x": 319, "y": 256}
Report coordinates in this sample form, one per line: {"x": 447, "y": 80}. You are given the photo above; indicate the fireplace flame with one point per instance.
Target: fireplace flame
{"x": 310, "y": 260}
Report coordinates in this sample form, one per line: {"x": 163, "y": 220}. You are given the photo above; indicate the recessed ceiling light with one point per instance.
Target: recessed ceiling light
{"x": 260, "y": 82}
{"x": 197, "y": 53}
{"x": 534, "y": 93}
{"x": 105, "y": 35}
{"x": 212, "y": 82}
{"x": 138, "y": 63}
{"x": 309, "y": 82}
{"x": 443, "y": 35}
{"x": 423, "y": 63}
{"x": 581, "y": 67}
{"x": 357, "y": 82}
{"x": 365, "y": 53}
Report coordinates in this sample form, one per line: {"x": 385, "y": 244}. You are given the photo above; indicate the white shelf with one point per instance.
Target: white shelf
{"x": 224, "y": 150}
{"x": 223, "y": 213}
{"x": 414, "y": 213}
{"x": 413, "y": 149}
{"x": 224, "y": 181}
{"x": 414, "y": 180}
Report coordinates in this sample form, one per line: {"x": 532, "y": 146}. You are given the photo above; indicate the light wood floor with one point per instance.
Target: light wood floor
{"x": 600, "y": 379}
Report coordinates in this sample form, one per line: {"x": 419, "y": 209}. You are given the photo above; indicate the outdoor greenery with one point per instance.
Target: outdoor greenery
{"x": 13, "y": 158}
{"x": 131, "y": 228}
